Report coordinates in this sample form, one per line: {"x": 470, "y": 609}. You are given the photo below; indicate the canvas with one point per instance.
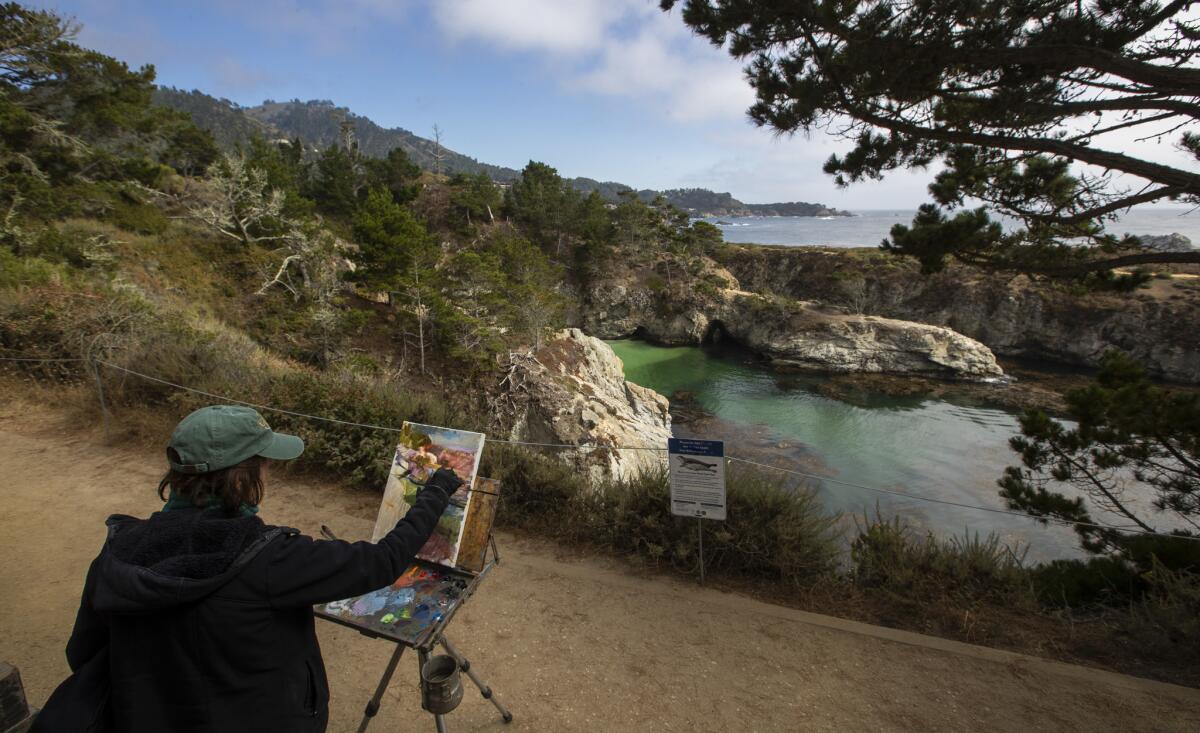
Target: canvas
{"x": 422, "y": 450}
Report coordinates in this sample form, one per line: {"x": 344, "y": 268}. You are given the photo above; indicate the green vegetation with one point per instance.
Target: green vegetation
{"x": 322, "y": 125}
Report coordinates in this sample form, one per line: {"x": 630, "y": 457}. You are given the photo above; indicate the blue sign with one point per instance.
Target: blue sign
{"x": 713, "y": 448}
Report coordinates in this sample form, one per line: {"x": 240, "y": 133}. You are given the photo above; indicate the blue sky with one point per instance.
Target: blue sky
{"x": 609, "y": 89}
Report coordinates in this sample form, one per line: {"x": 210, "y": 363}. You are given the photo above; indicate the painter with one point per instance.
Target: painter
{"x": 199, "y": 618}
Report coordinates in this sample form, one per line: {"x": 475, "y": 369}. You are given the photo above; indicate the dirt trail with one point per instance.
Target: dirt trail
{"x": 569, "y": 644}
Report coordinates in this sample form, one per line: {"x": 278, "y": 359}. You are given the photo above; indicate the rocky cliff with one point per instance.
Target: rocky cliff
{"x": 792, "y": 334}
{"x": 1014, "y": 316}
{"x": 574, "y": 391}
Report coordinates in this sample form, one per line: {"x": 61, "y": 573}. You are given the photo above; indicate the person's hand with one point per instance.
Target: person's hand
{"x": 446, "y": 480}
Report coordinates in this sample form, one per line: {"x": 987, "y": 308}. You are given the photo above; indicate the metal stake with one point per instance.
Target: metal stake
{"x": 700, "y": 532}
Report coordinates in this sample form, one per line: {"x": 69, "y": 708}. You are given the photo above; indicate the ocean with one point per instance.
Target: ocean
{"x": 867, "y": 228}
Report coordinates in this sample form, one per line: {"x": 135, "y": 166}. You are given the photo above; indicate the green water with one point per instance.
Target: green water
{"x": 948, "y": 450}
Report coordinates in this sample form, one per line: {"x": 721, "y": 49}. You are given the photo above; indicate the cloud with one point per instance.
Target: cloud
{"x": 620, "y": 48}
{"x": 567, "y": 27}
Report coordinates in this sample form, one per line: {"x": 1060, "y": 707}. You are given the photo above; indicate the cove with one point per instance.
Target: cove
{"x": 947, "y": 449}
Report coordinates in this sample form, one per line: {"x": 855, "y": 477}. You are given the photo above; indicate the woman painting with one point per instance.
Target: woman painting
{"x": 199, "y": 618}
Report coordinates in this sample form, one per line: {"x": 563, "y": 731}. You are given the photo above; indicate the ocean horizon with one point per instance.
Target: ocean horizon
{"x": 868, "y": 227}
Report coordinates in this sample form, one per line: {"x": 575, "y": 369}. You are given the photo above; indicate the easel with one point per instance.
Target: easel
{"x": 424, "y": 645}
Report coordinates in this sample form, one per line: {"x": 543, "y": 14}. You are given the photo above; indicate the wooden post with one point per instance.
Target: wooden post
{"x": 14, "y": 710}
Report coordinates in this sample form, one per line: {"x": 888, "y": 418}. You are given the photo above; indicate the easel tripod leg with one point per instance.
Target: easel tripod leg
{"x": 484, "y": 690}
{"x": 373, "y": 705}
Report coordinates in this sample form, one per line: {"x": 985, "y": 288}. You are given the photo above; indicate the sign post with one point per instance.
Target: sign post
{"x": 697, "y": 483}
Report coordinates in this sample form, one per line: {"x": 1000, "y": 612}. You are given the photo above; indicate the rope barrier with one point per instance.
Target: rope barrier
{"x": 593, "y": 446}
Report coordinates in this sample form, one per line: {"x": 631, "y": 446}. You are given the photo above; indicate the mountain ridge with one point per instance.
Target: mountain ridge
{"x": 319, "y": 123}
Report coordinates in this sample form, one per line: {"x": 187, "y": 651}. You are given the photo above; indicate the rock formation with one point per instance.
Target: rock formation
{"x": 574, "y": 391}
{"x": 1013, "y": 316}
{"x": 792, "y": 334}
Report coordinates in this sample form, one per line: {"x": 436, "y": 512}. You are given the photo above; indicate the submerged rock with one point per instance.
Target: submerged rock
{"x": 574, "y": 391}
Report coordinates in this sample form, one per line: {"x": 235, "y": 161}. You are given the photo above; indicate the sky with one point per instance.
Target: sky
{"x": 608, "y": 89}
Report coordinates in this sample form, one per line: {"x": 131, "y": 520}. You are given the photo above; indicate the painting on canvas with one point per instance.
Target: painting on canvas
{"x": 422, "y": 450}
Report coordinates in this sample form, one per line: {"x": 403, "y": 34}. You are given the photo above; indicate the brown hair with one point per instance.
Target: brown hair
{"x": 229, "y": 487}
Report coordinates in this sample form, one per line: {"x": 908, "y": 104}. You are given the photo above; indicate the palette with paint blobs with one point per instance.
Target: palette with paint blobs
{"x": 410, "y": 610}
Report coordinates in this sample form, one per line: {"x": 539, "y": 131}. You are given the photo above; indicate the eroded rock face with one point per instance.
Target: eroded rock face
{"x": 793, "y": 334}
{"x": 576, "y": 393}
{"x": 803, "y": 337}
{"x": 1013, "y": 316}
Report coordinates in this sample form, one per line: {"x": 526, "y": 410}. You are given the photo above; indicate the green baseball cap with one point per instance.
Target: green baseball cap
{"x": 221, "y": 436}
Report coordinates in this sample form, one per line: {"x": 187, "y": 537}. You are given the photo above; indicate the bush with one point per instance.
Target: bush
{"x": 1099, "y": 581}
{"x": 23, "y": 272}
{"x": 772, "y": 532}
{"x": 1167, "y": 619}
{"x": 887, "y": 555}
{"x": 537, "y": 490}
{"x": 124, "y": 330}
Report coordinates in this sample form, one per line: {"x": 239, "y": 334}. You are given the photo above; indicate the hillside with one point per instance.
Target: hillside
{"x": 318, "y": 123}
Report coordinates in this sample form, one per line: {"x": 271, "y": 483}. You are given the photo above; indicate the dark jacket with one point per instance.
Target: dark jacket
{"x": 207, "y": 619}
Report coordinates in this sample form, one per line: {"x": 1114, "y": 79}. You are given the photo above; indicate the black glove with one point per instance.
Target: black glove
{"x": 446, "y": 480}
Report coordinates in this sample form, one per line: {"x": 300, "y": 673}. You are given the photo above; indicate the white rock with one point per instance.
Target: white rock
{"x": 577, "y": 394}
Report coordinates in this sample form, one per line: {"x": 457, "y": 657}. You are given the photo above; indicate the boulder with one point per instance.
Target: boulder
{"x": 574, "y": 391}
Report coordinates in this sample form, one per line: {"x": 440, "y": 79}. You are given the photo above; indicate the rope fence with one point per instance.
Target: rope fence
{"x": 594, "y": 446}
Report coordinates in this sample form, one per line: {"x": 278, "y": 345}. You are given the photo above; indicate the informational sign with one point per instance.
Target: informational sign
{"x": 697, "y": 478}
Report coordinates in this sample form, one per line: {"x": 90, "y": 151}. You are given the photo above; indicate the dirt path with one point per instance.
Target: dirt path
{"x": 569, "y": 644}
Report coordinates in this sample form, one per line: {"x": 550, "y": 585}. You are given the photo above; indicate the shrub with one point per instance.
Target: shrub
{"x": 124, "y": 330}
{"x": 772, "y": 532}
{"x": 1167, "y": 619}
{"x": 23, "y": 272}
{"x": 888, "y": 555}
{"x": 1077, "y": 583}
{"x": 537, "y": 490}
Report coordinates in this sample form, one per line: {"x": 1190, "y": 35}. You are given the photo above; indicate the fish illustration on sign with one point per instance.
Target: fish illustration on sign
{"x": 693, "y": 464}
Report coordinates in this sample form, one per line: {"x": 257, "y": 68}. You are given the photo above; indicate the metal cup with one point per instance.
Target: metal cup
{"x": 441, "y": 686}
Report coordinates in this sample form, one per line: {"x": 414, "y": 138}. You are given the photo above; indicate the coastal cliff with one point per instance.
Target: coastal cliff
{"x": 792, "y": 334}
{"x": 1013, "y": 316}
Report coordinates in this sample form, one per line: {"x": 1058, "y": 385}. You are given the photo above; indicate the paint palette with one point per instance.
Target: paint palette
{"x": 409, "y": 609}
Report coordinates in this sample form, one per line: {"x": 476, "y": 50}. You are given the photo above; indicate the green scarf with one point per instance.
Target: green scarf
{"x": 178, "y": 502}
